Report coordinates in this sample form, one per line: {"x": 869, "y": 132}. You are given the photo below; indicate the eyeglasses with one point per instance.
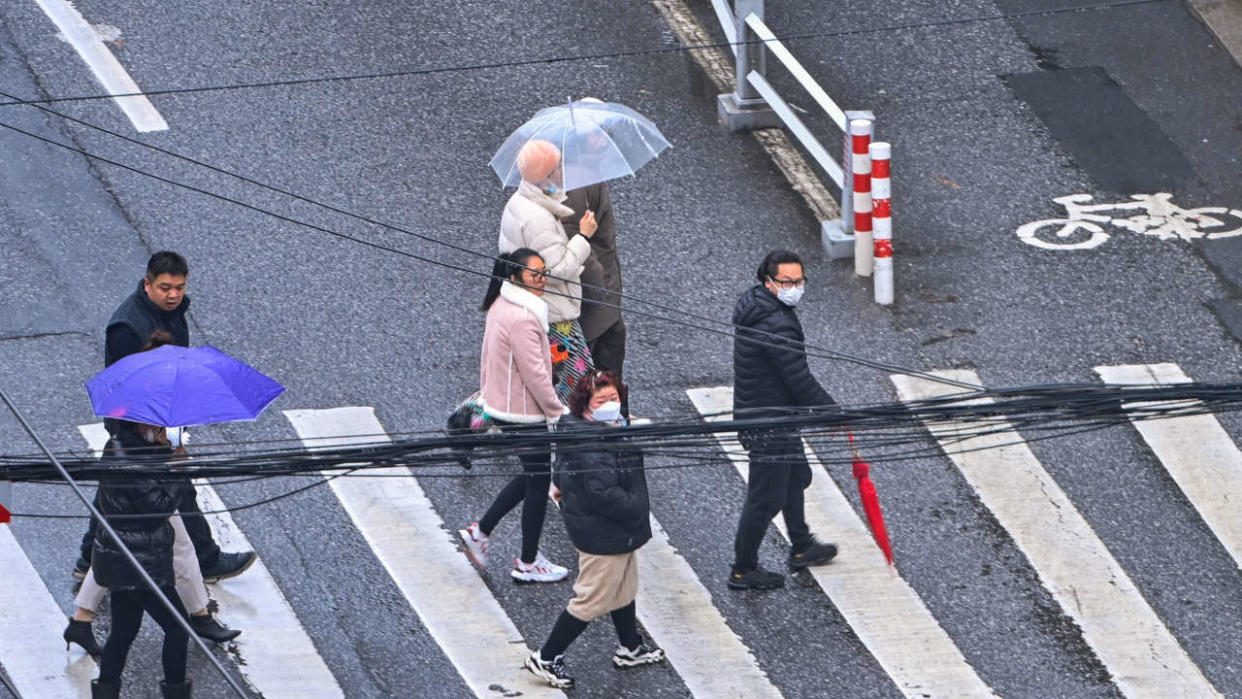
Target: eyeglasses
{"x": 536, "y": 273}
{"x": 788, "y": 283}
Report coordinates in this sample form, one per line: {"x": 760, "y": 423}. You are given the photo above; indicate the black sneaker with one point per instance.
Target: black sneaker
{"x": 228, "y": 565}
{"x": 644, "y": 654}
{"x": 817, "y": 554}
{"x": 550, "y": 671}
{"x": 756, "y": 579}
{"x": 80, "y": 568}
{"x": 206, "y": 626}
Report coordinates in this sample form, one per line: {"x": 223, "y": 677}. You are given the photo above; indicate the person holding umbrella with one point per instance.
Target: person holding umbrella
{"x": 159, "y": 304}
{"x": 531, "y": 219}
{"x": 770, "y": 377}
{"x": 128, "y": 503}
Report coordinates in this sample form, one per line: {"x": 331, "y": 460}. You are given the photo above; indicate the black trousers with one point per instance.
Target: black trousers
{"x": 127, "y": 609}
{"x": 530, "y": 489}
{"x": 779, "y": 473}
{"x": 195, "y": 525}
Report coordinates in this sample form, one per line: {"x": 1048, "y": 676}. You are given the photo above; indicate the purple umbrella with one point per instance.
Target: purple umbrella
{"x": 176, "y": 386}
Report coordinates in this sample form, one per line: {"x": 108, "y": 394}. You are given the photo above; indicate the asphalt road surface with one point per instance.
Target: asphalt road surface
{"x": 990, "y": 118}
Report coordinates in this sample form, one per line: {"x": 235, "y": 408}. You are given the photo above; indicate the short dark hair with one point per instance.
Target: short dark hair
{"x": 773, "y": 260}
{"x": 159, "y": 338}
{"x": 165, "y": 262}
{"x": 592, "y": 381}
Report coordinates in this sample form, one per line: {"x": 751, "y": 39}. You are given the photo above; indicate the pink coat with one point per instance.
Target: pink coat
{"x": 515, "y": 367}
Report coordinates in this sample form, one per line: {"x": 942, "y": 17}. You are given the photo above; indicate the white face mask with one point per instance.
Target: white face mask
{"x": 790, "y": 297}
{"x": 609, "y": 412}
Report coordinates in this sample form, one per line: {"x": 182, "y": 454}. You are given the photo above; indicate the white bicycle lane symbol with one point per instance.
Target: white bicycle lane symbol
{"x": 1154, "y": 214}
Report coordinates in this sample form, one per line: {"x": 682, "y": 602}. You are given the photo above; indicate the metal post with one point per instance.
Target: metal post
{"x": 837, "y": 235}
{"x": 6, "y": 501}
{"x": 744, "y": 109}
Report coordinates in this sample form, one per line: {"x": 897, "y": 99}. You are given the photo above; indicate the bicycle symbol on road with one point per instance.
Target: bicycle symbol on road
{"x": 1154, "y": 214}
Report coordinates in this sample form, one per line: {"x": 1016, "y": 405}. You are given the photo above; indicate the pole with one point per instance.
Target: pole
{"x": 882, "y": 222}
{"x": 129, "y": 556}
{"x": 6, "y": 501}
{"x": 860, "y": 163}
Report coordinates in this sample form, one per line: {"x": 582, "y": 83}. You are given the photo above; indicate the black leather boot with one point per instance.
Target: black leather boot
{"x": 181, "y": 690}
{"x": 105, "y": 690}
{"x": 81, "y": 633}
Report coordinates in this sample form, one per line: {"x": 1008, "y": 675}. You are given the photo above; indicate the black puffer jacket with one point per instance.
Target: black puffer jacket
{"x": 603, "y": 492}
{"x": 149, "y": 538}
{"x": 770, "y": 371}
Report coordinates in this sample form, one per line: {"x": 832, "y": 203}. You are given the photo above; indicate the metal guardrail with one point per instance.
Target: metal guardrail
{"x": 724, "y": 14}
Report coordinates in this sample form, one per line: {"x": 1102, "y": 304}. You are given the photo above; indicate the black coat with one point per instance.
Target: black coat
{"x": 770, "y": 370}
{"x": 600, "y": 309}
{"x": 150, "y": 539}
{"x": 131, "y": 325}
{"x": 603, "y": 492}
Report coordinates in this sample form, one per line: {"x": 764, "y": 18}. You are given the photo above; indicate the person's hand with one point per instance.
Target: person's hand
{"x": 555, "y": 493}
{"x": 588, "y": 225}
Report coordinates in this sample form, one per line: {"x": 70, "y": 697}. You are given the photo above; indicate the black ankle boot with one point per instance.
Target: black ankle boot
{"x": 80, "y": 632}
{"x": 105, "y": 690}
{"x": 181, "y": 690}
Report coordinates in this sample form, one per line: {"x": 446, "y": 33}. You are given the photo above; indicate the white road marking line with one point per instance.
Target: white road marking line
{"x": 410, "y": 540}
{"x": 275, "y": 655}
{"x": 678, "y": 612}
{"x": 1196, "y": 451}
{"x": 107, "y": 69}
{"x": 1073, "y": 564}
{"x": 32, "y": 623}
{"x": 880, "y": 607}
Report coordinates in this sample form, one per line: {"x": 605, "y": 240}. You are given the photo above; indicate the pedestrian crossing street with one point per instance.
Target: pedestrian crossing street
{"x": 277, "y": 659}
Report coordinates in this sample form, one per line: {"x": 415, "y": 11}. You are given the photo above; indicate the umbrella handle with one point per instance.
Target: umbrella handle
{"x": 857, "y": 454}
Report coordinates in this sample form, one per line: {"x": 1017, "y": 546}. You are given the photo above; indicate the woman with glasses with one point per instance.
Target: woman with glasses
{"x": 531, "y": 219}
{"x": 515, "y": 390}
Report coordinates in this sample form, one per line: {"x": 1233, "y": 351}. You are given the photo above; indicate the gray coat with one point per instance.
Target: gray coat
{"x": 603, "y": 267}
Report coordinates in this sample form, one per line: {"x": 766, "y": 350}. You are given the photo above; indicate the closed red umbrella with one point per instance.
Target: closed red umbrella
{"x": 871, "y": 503}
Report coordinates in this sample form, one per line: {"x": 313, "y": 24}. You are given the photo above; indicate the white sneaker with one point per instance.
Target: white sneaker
{"x": 476, "y": 544}
{"x": 542, "y": 570}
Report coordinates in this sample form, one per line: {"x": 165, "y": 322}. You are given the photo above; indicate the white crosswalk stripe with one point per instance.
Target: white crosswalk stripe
{"x": 1196, "y": 451}
{"x": 1073, "y": 564}
{"x": 276, "y": 656}
{"x": 409, "y": 539}
{"x": 881, "y": 608}
{"x": 30, "y": 626}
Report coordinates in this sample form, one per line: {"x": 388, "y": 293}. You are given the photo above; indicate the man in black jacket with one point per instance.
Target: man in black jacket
{"x": 771, "y": 378}
{"x": 160, "y": 303}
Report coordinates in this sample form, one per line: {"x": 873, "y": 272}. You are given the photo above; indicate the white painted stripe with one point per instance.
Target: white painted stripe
{"x": 274, "y": 653}
{"x": 410, "y": 540}
{"x": 1073, "y": 564}
{"x": 107, "y": 69}
{"x": 31, "y": 624}
{"x": 1196, "y": 451}
{"x": 880, "y": 607}
{"x": 678, "y": 612}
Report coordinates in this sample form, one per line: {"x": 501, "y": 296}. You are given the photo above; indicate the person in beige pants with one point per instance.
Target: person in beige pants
{"x": 603, "y": 494}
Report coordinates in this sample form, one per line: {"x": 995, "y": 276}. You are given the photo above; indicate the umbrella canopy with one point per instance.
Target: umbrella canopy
{"x": 598, "y": 141}
{"x": 871, "y": 505}
{"x": 176, "y": 386}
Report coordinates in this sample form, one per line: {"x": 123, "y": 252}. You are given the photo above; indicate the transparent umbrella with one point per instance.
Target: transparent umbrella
{"x": 598, "y": 141}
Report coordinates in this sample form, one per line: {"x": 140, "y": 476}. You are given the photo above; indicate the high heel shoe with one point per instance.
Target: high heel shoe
{"x": 80, "y": 632}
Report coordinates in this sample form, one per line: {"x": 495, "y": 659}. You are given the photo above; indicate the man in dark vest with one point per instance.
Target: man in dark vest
{"x": 770, "y": 379}
{"x": 160, "y": 303}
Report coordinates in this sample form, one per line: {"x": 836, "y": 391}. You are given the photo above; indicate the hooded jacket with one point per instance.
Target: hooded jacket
{"x": 531, "y": 219}
{"x": 150, "y": 539}
{"x": 136, "y": 318}
{"x": 603, "y": 492}
{"x": 770, "y": 370}
{"x": 515, "y": 364}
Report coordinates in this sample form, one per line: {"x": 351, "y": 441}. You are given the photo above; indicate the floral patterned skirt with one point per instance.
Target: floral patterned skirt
{"x": 571, "y": 358}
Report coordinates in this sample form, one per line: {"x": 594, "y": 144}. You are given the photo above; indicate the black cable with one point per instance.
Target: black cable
{"x": 782, "y": 343}
{"x": 591, "y": 57}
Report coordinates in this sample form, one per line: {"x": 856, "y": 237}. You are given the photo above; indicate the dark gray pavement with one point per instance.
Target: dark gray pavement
{"x": 342, "y": 324}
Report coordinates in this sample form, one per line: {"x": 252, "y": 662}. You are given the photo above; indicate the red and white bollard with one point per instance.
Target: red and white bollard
{"x": 860, "y": 165}
{"x": 6, "y": 501}
{"x": 881, "y": 219}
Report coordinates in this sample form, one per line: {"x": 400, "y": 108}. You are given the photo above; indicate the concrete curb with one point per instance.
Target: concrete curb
{"x": 1224, "y": 19}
